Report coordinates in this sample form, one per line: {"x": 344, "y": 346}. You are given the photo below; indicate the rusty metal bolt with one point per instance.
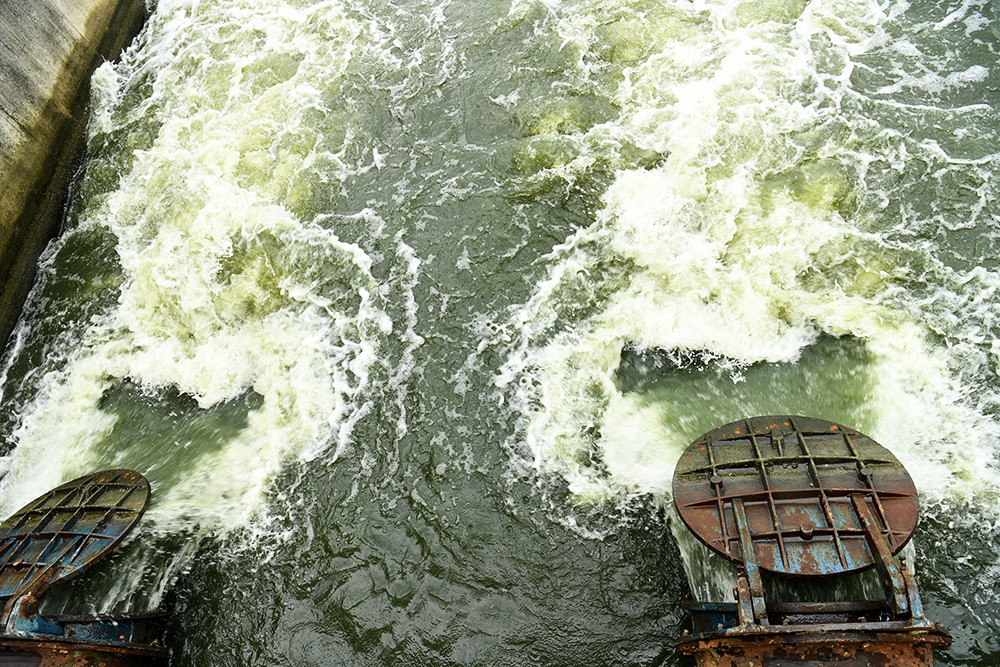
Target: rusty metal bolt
{"x": 29, "y": 605}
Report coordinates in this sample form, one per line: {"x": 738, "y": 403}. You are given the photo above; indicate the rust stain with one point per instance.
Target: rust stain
{"x": 815, "y": 647}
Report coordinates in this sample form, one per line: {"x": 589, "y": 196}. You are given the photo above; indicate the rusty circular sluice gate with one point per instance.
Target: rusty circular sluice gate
{"x": 802, "y": 497}
{"x": 54, "y": 538}
{"x": 798, "y": 479}
{"x": 65, "y": 531}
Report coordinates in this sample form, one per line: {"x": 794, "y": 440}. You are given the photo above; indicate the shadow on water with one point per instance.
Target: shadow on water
{"x": 831, "y": 380}
{"x": 164, "y": 433}
{"x": 78, "y": 284}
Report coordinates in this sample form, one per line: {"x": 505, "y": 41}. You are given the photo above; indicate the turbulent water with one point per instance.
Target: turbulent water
{"x": 408, "y": 309}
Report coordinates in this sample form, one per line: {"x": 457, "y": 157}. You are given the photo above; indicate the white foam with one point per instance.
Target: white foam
{"x": 736, "y": 246}
{"x": 231, "y": 283}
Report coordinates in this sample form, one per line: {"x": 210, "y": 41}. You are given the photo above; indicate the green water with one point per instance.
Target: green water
{"x": 407, "y": 310}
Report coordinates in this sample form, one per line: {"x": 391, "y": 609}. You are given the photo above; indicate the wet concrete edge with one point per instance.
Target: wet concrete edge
{"x": 53, "y": 148}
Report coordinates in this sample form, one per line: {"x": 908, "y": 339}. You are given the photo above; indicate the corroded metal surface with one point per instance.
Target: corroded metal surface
{"x": 794, "y": 478}
{"x": 55, "y": 537}
{"x": 810, "y": 647}
{"x": 809, "y": 634}
{"x": 800, "y": 496}
{"x": 65, "y": 531}
{"x": 134, "y": 630}
{"x": 43, "y": 653}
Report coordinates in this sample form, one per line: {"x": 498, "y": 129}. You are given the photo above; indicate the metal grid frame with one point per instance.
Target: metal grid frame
{"x": 66, "y": 530}
{"x": 880, "y": 480}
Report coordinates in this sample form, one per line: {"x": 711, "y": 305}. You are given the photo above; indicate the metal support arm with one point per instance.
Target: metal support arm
{"x": 893, "y": 582}
{"x": 754, "y": 584}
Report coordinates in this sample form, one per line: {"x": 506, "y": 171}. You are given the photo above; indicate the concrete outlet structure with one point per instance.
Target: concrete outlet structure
{"x": 48, "y": 51}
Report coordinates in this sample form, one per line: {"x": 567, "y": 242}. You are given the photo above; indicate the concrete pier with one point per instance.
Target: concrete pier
{"x": 48, "y": 51}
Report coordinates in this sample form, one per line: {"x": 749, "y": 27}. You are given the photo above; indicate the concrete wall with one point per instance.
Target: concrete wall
{"x": 48, "y": 51}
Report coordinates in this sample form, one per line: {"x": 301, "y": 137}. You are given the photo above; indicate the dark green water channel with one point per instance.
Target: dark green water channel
{"x": 407, "y": 309}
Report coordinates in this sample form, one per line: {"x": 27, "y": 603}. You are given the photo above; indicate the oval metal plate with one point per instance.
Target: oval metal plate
{"x": 795, "y": 476}
{"x": 65, "y": 531}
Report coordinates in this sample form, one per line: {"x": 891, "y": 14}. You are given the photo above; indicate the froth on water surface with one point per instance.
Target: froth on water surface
{"x": 793, "y": 249}
{"x": 203, "y": 323}
{"x": 408, "y": 308}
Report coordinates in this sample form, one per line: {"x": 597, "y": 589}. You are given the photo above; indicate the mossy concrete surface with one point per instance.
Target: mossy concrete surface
{"x": 48, "y": 51}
